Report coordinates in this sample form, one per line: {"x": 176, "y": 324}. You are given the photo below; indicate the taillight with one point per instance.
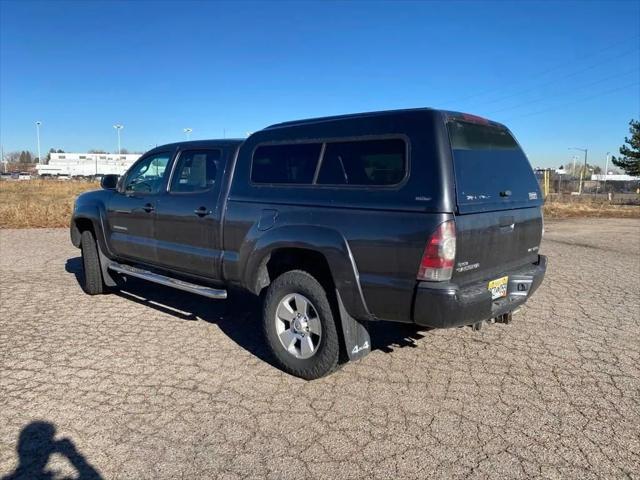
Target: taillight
{"x": 439, "y": 254}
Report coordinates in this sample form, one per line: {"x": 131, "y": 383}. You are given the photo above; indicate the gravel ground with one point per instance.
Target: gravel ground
{"x": 154, "y": 383}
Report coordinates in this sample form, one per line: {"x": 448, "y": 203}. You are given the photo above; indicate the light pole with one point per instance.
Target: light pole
{"x": 118, "y": 127}
{"x": 584, "y": 170}
{"x": 187, "y": 132}
{"x": 606, "y": 170}
{"x": 38, "y": 123}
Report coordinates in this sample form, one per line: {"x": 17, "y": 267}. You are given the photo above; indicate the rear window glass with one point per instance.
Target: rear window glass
{"x": 471, "y": 136}
{"x": 368, "y": 162}
{"x": 294, "y": 163}
{"x": 491, "y": 171}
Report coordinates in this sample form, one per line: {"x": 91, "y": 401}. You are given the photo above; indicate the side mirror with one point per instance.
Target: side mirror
{"x": 109, "y": 182}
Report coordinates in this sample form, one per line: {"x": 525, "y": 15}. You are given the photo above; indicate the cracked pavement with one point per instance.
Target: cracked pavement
{"x": 156, "y": 383}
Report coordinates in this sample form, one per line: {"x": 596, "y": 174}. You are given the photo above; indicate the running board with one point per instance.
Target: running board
{"x": 168, "y": 281}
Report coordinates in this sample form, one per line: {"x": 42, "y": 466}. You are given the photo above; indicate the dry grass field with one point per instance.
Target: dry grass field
{"x": 48, "y": 203}
{"x": 589, "y": 209}
{"x": 39, "y": 203}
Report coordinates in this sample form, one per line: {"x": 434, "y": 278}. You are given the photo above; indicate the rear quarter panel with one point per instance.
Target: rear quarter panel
{"x": 386, "y": 248}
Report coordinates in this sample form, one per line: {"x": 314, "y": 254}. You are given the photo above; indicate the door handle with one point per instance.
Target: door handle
{"x": 507, "y": 221}
{"x": 148, "y": 208}
{"x": 202, "y": 211}
{"x": 507, "y": 224}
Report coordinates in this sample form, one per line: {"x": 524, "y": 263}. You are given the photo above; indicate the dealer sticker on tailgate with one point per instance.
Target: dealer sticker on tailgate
{"x": 498, "y": 287}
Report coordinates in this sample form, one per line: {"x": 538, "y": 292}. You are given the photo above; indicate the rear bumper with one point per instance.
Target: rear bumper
{"x": 447, "y": 305}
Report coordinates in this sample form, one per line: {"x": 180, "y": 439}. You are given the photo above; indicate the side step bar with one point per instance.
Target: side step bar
{"x": 168, "y": 281}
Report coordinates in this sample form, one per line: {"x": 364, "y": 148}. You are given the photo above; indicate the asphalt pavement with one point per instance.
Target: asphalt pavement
{"x": 151, "y": 383}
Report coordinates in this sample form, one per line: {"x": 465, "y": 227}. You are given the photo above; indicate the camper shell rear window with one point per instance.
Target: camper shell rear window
{"x": 491, "y": 170}
{"x": 475, "y": 136}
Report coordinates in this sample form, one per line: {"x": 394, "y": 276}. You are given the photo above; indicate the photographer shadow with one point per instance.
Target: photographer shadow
{"x": 35, "y": 446}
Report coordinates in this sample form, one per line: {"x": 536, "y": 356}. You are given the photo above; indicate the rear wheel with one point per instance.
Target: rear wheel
{"x": 299, "y": 326}
{"x": 93, "y": 283}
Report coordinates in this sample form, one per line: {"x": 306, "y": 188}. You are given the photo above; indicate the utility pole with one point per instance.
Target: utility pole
{"x": 584, "y": 170}
{"x": 560, "y": 185}
{"x": 38, "y": 123}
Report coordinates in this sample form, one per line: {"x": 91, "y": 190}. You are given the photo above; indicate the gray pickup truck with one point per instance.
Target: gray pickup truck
{"x": 417, "y": 216}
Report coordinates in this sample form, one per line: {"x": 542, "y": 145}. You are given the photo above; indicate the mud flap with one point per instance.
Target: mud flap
{"x": 355, "y": 333}
{"x": 104, "y": 266}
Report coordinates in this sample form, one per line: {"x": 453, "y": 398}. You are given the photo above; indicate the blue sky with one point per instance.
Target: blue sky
{"x": 560, "y": 74}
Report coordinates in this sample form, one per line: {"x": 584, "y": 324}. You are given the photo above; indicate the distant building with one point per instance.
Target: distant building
{"x": 541, "y": 170}
{"x": 615, "y": 178}
{"x": 86, "y": 164}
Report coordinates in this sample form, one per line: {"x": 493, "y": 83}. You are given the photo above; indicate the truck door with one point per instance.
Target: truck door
{"x": 188, "y": 214}
{"x": 131, "y": 212}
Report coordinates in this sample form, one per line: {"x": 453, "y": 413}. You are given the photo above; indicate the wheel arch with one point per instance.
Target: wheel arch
{"x": 321, "y": 251}
{"x": 89, "y": 216}
{"x": 80, "y": 224}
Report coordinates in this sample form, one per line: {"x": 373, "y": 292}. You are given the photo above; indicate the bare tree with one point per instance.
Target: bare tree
{"x": 12, "y": 157}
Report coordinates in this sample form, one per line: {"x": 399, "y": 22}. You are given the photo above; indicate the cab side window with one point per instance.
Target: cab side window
{"x": 195, "y": 171}
{"x": 147, "y": 175}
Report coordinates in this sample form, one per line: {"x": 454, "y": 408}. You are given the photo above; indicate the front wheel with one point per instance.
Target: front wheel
{"x": 299, "y": 326}
{"x": 93, "y": 283}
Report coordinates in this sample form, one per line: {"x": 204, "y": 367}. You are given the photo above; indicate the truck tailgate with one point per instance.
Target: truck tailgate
{"x": 490, "y": 244}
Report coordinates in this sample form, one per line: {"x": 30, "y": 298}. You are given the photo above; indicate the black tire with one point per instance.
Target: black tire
{"x": 325, "y": 359}
{"x": 93, "y": 283}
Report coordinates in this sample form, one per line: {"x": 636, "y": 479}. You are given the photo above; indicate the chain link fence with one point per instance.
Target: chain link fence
{"x": 563, "y": 188}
